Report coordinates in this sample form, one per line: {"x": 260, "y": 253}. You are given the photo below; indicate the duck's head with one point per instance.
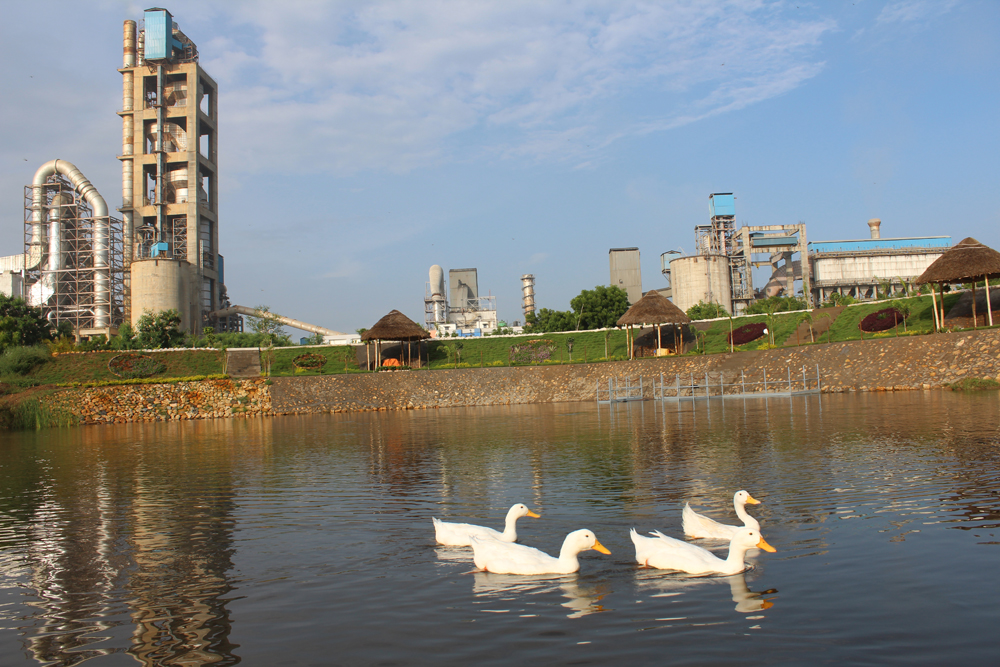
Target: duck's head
{"x": 519, "y": 510}
{"x": 744, "y": 498}
{"x": 748, "y": 538}
{"x": 582, "y": 540}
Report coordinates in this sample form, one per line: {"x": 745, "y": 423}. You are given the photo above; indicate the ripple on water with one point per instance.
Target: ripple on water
{"x": 253, "y": 540}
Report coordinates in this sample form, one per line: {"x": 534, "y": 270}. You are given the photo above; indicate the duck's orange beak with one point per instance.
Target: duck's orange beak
{"x": 600, "y": 547}
{"x": 752, "y": 500}
{"x": 533, "y": 515}
{"x": 765, "y": 546}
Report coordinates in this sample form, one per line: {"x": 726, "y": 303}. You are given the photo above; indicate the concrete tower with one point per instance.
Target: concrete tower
{"x": 169, "y": 174}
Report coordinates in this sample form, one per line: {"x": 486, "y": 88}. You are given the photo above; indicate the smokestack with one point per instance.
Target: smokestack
{"x": 873, "y": 225}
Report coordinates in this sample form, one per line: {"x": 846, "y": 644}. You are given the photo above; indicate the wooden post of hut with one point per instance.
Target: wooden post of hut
{"x": 989, "y": 306}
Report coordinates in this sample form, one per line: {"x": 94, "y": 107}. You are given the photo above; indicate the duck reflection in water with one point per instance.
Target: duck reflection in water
{"x": 747, "y": 601}
{"x": 583, "y": 599}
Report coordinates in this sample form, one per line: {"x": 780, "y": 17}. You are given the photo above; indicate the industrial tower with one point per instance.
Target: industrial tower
{"x": 170, "y": 176}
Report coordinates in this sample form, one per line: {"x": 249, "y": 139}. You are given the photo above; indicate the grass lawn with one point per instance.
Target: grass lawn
{"x": 93, "y": 366}
{"x": 495, "y": 351}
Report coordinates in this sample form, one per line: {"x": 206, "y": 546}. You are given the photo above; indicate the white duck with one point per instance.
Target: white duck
{"x": 460, "y": 534}
{"x": 505, "y": 558}
{"x": 697, "y": 525}
{"x": 666, "y": 553}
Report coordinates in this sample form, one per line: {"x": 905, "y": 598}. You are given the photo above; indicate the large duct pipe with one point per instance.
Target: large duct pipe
{"x": 287, "y": 321}
{"x": 102, "y": 290}
{"x": 874, "y": 225}
{"x": 128, "y": 136}
{"x": 128, "y": 44}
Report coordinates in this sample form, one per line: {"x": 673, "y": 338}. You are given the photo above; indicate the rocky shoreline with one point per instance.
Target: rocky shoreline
{"x": 883, "y": 364}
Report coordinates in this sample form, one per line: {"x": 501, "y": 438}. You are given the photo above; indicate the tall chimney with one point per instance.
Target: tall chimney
{"x": 873, "y": 225}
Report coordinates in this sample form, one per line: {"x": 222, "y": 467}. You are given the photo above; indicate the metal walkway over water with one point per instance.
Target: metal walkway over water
{"x": 713, "y": 385}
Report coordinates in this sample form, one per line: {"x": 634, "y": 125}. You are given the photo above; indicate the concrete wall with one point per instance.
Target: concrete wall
{"x": 165, "y": 284}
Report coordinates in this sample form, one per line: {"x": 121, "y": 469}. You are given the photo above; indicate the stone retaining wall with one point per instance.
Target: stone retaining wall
{"x": 166, "y": 402}
{"x": 883, "y": 364}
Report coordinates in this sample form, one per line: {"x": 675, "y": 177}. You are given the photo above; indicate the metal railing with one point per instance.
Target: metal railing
{"x": 705, "y": 387}
{"x": 616, "y": 392}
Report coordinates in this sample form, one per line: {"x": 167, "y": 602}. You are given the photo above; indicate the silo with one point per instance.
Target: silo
{"x": 701, "y": 278}
{"x": 163, "y": 284}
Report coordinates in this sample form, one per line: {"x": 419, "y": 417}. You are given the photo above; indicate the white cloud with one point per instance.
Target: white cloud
{"x": 909, "y": 11}
{"x": 347, "y": 87}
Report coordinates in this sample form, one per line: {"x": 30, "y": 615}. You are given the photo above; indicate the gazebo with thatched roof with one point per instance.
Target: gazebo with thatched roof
{"x": 396, "y": 327}
{"x": 967, "y": 261}
{"x": 656, "y": 309}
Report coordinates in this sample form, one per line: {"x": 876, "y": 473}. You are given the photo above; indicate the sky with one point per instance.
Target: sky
{"x": 362, "y": 142}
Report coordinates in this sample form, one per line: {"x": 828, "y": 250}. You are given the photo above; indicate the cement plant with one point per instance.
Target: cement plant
{"x": 84, "y": 265}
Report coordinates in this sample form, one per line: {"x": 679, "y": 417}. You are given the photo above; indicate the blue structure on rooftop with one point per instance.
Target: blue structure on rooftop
{"x": 160, "y": 42}
{"x": 863, "y": 245}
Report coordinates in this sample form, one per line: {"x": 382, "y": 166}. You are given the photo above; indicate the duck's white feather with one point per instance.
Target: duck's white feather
{"x": 667, "y": 553}
{"x": 460, "y": 534}
{"x": 507, "y": 558}
{"x": 699, "y": 525}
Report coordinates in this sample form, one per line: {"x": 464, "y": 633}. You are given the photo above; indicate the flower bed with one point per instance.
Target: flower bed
{"x": 135, "y": 366}
{"x": 881, "y": 320}
{"x": 532, "y": 351}
{"x": 309, "y": 361}
{"x": 747, "y": 333}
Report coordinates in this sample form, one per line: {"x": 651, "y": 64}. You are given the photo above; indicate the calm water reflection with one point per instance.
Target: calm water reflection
{"x": 307, "y": 540}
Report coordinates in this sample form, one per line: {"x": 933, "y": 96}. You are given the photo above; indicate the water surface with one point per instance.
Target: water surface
{"x": 307, "y": 540}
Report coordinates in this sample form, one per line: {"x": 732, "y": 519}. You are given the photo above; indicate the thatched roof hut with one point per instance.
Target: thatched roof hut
{"x": 967, "y": 261}
{"x": 394, "y": 326}
{"x": 653, "y": 308}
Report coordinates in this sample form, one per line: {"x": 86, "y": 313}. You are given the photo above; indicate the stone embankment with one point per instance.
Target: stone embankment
{"x": 166, "y": 402}
{"x": 883, "y": 364}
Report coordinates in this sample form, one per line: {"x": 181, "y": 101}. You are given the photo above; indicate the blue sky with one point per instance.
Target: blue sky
{"x": 360, "y": 143}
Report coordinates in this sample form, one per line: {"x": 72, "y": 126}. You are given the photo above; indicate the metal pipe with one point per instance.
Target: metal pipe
{"x": 86, "y": 190}
{"x": 128, "y": 137}
{"x": 128, "y": 43}
{"x": 296, "y": 324}
{"x": 159, "y": 153}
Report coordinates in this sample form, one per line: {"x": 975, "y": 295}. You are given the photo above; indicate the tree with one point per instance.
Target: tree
{"x": 598, "y": 308}
{"x": 158, "y": 330}
{"x": 264, "y": 322}
{"x": 569, "y": 347}
{"x": 125, "y": 340}
{"x": 903, "y": 308}
{"x": 706, "y": 311}
{"x": 21, "y": 324}
{"x": 552, "y": 320}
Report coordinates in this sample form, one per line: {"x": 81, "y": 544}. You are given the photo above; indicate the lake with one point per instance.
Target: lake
{"x": 308, "y": 540}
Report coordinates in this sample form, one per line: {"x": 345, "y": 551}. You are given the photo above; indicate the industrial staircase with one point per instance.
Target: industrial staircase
{"x": 243, "y": 362}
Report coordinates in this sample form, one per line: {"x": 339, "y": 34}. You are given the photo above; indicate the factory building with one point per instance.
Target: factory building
{"x": 625, "y": 271}
{"x": 87, "y": 267}
{"x": 858, "y": 268}
{"x": 461, "y": 310}
{"x": 722, "y": 271}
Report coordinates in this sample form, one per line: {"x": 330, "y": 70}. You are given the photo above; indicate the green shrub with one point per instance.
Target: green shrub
{"x": 22, "y": 360}
{"x": 974, "y": 384}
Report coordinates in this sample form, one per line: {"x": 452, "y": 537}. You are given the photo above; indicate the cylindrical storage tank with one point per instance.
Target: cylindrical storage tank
{"x": 161, "y": 284}
{"x": 174, "y": 137}
{"x": 436, "y": 279}
{"x": 175, "y": 186}
{"x": 701, "y": 278}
